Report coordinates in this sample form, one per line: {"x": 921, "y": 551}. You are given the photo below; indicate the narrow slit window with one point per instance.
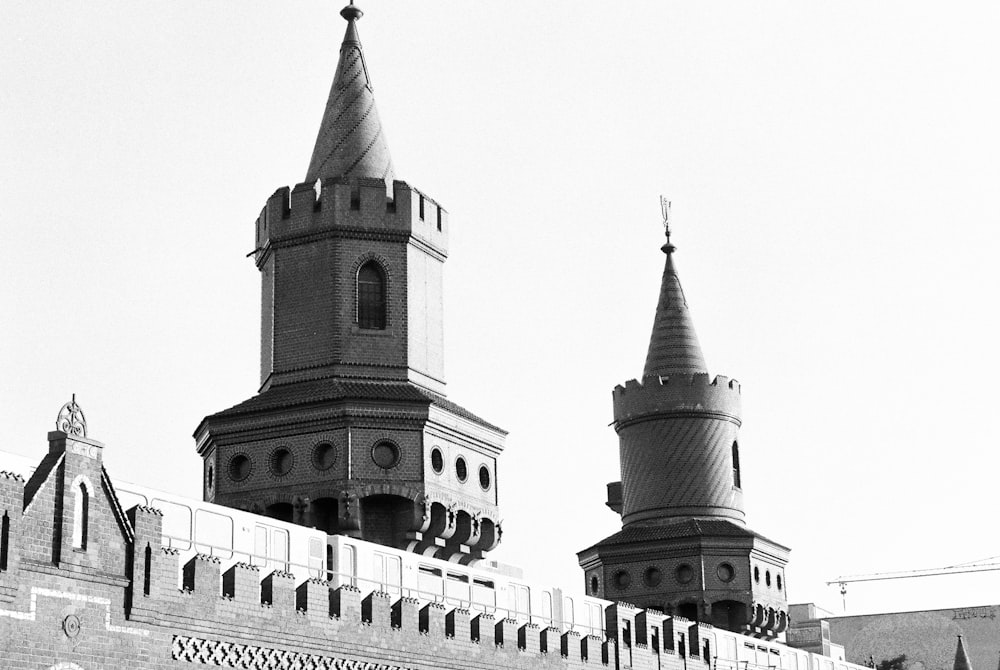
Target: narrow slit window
{"x": 421, "y": 208}
{"x": 81, "y": 514}
{"x": 4, "y": 540}
{"x": 736, "y": 466}
{"x": 147, "y": 567}
{"x": 371, "y": 297}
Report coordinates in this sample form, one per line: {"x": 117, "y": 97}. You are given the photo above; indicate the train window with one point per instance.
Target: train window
{"x": 213, "y": 533}
{"x": 348, "y": 569}
{"x": 568, "y": 615}
{"x": 316, "y": 557}
{"x": 546, "y": 607}
{"x": 279, "y": 548}
{"x": 596, "y": 619}
{"x": 388, "y": 572}
{"x": 259, "y": 547}
{"x": 728, "y": 650}
{"x": 429, "y": 581}
{"x": 456, "y": 587}
{"x": 484, "y": 592}
{"x": 519, "y": 597}
{"x": 176, "y": 523}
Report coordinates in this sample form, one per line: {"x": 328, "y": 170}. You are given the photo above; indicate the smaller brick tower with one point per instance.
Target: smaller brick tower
{"x": 351, "y": 432}
{"x": 684, "y": 547}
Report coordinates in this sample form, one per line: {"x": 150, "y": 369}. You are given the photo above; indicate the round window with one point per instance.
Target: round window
{"x": 726, "y": 572}
{"x": 239, "y": 467}
{"x": 437, "y": 460}
{"x": 281, "y": 461}
{"x": 756, "y": 574}
{"x": 652, "y": 576}
{"x": 461, "y": 469}
{"x": 767, "y": 577}
{"x": 324, "y": 456}
{"x": 385, "y": 454}
{"x": 594, "y": 584}
{"x": 484, "y": 477}
{"x": 622, "y": 580}
{"x": 779, "y": 582}
{"x": 685, "y": 573}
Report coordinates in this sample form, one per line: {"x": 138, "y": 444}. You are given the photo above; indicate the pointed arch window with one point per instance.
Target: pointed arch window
{"x": 736, "y": 466}
{"x": 81, "y": 515}
{"x": 371, "y": 296}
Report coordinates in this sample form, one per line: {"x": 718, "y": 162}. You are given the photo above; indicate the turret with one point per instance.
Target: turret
{"x": 351, "y": 431}
{"x": 684, "y": 547}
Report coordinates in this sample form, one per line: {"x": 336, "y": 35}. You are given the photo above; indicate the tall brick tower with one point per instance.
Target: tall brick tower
{"x": 351, "y": 431}
{"x": 684, "y": 547}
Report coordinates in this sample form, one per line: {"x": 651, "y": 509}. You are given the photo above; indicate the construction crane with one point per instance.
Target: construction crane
{"x": 980, "y": 565}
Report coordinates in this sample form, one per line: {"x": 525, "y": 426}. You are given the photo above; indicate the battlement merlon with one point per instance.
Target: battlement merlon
{"x": 359, "y": 206}
{"x": 679, "y": 394}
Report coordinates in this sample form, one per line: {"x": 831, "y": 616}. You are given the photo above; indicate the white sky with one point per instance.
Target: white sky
{"x": 834, "y": 172}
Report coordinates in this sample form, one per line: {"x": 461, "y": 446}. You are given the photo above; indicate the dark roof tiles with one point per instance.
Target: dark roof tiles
{"x": 673, "y": 344}
{"x": 676, "y": 531}
{"x": 318, "y": 391}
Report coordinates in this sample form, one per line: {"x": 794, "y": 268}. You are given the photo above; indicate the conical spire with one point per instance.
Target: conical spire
{"x": 961, "y": 658}
{"x": 673, "y": 345}
{"x": 351, "y": 142}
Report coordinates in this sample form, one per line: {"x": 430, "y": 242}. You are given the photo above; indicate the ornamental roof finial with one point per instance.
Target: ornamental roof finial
{"x": 71, "y": 420}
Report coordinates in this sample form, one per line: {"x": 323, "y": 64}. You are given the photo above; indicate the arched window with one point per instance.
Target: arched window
{"x": 736, "y": 466}
{"x": 81, "y": 514}
{"x": 371, "y": 296}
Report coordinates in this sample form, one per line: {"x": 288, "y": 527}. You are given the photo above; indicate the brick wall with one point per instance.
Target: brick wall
{"x": 129, "y": 612}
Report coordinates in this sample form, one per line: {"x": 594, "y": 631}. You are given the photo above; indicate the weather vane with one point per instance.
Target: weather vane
{"x": 665, "y": 210}
{"x": 71, "y": 420}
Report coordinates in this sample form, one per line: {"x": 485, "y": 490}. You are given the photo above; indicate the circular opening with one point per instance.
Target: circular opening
{"x": 756, "y": 574}
{"x": 484, "y": 477}
{"x": 726, "y": 572}
{"x": 437, "y": 460}
{"x": 239, "y": 467}
{"x": 767, "y": 577}
{"x": 324, "y": 456}
{"x": 779, "y": 582}
{"x": 593, "y": 586}
{"x": 685, "y": 573}
{"x": 281, "y": 461}
{"x": 210, "y": 477}
{"x": 622, "y": 580}
{"x": 652, "y": 576}
{"x": 385, "y": 454}
{"x": 461, "y": 469}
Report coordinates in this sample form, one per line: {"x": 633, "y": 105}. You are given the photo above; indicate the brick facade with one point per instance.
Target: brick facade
{"x": 117, "y": 602}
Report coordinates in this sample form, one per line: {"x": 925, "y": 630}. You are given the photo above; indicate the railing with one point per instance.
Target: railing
{"x": 340, "y": 578}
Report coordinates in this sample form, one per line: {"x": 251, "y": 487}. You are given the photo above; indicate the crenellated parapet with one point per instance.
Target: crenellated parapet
{"x": 356, "y": 208}
{"x": 677, "y": 395}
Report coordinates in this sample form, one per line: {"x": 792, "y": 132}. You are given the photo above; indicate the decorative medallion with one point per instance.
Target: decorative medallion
{"x": 71, "y": 625}
{"x": 71, "y": 420}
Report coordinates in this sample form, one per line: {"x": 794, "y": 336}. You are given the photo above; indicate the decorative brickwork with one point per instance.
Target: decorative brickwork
{"x": 248, "y": 657}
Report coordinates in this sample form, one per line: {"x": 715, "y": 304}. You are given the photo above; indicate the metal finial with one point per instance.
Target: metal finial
{"x": 665, "y": 210}
{"x": 351, "y": 13}
{"x": 71, "y": 419}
